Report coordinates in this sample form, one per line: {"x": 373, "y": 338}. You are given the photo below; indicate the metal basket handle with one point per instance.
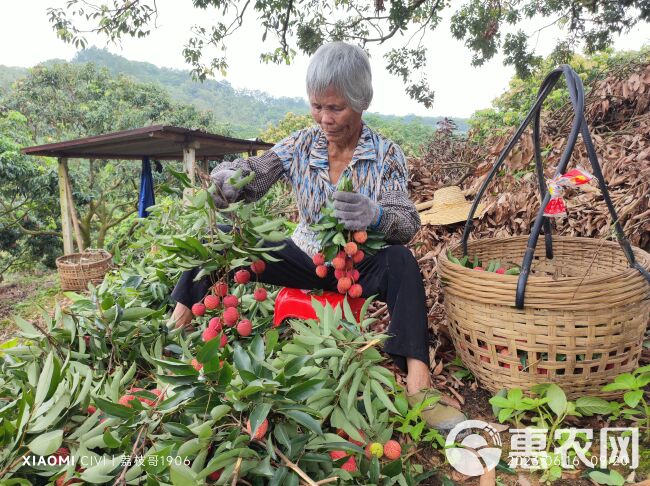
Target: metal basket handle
{"x": 579, "y": 127}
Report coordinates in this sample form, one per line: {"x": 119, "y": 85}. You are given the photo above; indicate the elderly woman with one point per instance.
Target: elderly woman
{"x": 312, "y": 160}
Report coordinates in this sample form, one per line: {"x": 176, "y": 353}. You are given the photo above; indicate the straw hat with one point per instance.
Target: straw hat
{"x": 449, "y": 206}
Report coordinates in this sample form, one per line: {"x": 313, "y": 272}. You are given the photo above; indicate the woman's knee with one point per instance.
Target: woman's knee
{"x": 397, "y": 255}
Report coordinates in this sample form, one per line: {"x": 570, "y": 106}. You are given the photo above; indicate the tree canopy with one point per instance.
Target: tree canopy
{"x": 485, "y": 26}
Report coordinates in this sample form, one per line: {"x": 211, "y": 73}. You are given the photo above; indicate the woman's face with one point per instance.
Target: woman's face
{"x": 340, "y": 123}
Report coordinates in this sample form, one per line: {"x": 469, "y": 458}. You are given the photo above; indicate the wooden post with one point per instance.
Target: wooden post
{"x": 189, "y": 164}
{"x": 66, "y": 219}
{"x": 73, "y": 211}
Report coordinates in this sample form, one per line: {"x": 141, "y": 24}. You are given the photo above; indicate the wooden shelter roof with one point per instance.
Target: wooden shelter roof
{"x": 159, "y": 142}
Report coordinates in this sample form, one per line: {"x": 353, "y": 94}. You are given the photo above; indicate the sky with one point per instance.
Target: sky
{"x": 27, "y": 39}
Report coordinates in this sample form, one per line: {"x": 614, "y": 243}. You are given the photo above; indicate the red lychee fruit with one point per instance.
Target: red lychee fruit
{"x": 501, "y": 271}
{"x": 209, "y": 334}
{"x": 392, "y": 450}
{"x": 321, "y": 271}
{"x": 126, "y": 400}
{"x": 343, "y": 285}
{"x": 242, "y": 276}
{"x": 355, "y": 291}
{"x": 335, "y": 455}
{"x": 338, "y": 263}
{"x": 64, "y": 481}
{"x": 196, "y": 365}
{"x": 258, "y": 266}
{"x": 244, "y": 328}
{"x": 353, "y": 274}
{"x": 479, "y": 269}
{"x": 360, "y": 236}
{"x": 260, "y": 294}
{"x": 339, "y": 273}
{"x": 358, "y": 256}
{"x": 230, "y": 316}
{"x": 230, "y": 301}
{"x": 261, "y": 430}
{"x": 357, "y": 442}
{"x": 318, "y": 259}
{"x": 91, "y": 409}
{"x": 224, "y": 341}
{"x": 221, "y": 289}
{"x": 211, "y": 302}
{"x": 215, "y": 475}
{"x": 350, "y": 465}
{"x": 350, "y": 248}
{"x": 198, "y": 309}
{"x": 61, "y": 454}
{"x": 215, "y": 324}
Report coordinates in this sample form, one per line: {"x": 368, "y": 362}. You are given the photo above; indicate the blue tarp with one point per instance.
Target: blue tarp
{"x": 146, "y": 198}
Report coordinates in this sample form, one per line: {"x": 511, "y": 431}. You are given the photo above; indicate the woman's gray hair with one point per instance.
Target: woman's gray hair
{"x": 346, "y": 68}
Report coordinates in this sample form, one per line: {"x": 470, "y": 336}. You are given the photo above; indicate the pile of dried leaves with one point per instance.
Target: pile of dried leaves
{"x": 619, "y": 120}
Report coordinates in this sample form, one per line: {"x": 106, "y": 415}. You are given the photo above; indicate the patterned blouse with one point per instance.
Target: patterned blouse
{"x": 377, "y": 169}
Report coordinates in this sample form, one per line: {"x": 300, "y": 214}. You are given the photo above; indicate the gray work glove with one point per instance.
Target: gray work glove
{"x": 356, "y": 211}
{"x": 224, "y": 193}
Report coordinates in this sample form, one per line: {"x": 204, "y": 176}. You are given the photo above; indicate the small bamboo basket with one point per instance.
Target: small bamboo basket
{"x": 583, "y": 320}
{"x": 78, "y": 269}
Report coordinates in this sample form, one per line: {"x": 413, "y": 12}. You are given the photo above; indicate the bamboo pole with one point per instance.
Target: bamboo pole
{"x": 73, "y": 210}
{"x": 66, "y": 220}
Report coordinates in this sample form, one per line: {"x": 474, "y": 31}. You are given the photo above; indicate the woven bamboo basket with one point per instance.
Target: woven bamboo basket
{"x": 577, "y": 313}
{"x": 78, "y": 269}
{"x": 582, "y": 324}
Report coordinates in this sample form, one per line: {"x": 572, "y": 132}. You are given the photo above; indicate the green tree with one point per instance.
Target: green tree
{"x": 510, "y": 109}
{"x": 484, "y": 25}
{"x": 285, "y": 127}
{"x": 29, "y": 218}
{"x": 64, "y": 101}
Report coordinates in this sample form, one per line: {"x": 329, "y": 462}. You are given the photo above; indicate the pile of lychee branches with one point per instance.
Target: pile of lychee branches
{"x": 114, "y": 395}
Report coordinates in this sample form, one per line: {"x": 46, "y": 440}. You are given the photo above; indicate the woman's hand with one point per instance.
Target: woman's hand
{"x": 225, "y": 193}
{"x": 356, "y": 211}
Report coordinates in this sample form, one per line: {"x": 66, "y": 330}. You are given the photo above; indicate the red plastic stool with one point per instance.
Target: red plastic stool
{"x": 297, "y": 303}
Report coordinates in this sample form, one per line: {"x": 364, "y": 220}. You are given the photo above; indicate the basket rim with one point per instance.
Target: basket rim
{"x": 638, "y": 252}
{"x": 106, "y": 255}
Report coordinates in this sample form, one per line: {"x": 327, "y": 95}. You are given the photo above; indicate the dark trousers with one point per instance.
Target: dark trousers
{"x": 392, "y": 273}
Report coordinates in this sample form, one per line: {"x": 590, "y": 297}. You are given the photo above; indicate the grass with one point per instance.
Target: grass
{"x": 26, "y": 295}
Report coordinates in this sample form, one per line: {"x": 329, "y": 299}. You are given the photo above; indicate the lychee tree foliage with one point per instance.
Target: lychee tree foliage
{"x": 106, "y": 381}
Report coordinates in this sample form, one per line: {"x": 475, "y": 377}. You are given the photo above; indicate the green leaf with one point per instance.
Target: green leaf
{"x": 258, "y": 415}
{"x": 592, "y": 406}
{"x": 44, "y": 381}
{"x": 393, "y": 468}
{"x": 27, "y": 329}
{"x": 114, "y": 409}
{"x": 304, "y": 390}
{"x": 295, "y": 365}
{"x": 209, "y": 351}
{"x": 304, "y": 419}
{"x": 632, "y": 398}
{"x": 382, "y": 396}
{"x": 556, "y": 399}
{"x": 46, "y": 444}
{"x": 339, "y": 239}
{"x": 609, "y": 477}
{"x": 182, "y": 475}
{"x": 136, "y": 313}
